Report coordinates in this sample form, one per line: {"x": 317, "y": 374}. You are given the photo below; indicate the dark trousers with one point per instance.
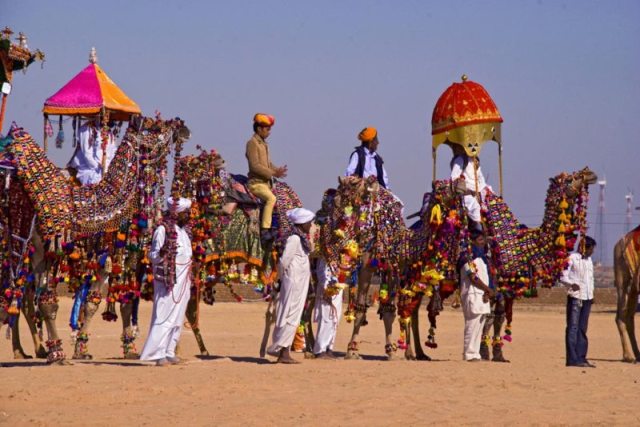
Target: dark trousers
{"x": 576, "y": 340}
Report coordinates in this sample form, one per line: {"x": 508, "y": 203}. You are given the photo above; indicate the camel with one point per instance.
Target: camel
{"x": 69, "y": 219}
{"x": 365, "y": 231}
{"x": 225, "y": 230}
{"x": 626, "y": 260}
{"x": 522, "y": 256}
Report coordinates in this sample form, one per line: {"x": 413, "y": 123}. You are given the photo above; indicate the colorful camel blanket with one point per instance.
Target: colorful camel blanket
{"x": 42, "y": 182}
{"x": 632, "y": 251}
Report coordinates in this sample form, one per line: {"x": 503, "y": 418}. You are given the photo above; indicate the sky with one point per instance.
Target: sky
{"x": 564, "y": 75}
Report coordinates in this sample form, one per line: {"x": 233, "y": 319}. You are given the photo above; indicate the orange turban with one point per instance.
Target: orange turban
{"x": 262, "y": 119}
{"x": 367, "y": 134}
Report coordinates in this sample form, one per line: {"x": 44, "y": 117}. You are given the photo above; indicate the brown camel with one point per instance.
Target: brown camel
{"x": 626, "y": 262}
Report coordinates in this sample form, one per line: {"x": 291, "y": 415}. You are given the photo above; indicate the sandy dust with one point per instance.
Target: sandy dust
{"x": 236, "y": 387}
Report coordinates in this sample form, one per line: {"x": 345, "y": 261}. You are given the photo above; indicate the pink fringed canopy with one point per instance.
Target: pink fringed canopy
{"x": 88, "y": 93}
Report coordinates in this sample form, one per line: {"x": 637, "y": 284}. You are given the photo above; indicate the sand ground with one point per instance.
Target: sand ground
{"x": 236, "y": 387}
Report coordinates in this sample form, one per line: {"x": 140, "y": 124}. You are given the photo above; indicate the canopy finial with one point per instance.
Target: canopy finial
{"x": 464, "y": 78}
{"x": 93, "y": 56}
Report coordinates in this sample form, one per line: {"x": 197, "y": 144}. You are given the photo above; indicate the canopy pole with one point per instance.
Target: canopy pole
{"x": 105, "y": 139}
{"x": 433, "y": 155}
{"x": 44, "y": 128}
{"x": 2, "y": 110}
{"x": 500, "y": 164}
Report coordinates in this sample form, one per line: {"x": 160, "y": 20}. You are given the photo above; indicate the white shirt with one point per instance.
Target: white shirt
{"x": 457, "y": 169}
{"x": 87, "y": 159}
{"x": 472, "y": 296}
{"x": 580, "y": 272}
{"x": 369, "y": 166}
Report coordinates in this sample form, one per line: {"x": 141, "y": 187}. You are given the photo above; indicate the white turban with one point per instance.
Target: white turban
{"x": 300, "y": 215}
{"x": 183, "y": 204}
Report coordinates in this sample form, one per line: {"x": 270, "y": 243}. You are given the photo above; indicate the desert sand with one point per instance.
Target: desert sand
{"x": 236, "y": 387}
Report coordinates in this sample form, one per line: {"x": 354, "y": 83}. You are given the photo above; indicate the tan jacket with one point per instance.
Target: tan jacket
{"x": 260, "y": 166}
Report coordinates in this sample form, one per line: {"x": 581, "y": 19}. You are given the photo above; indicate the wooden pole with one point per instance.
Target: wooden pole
{"x": 44, "y": 128}
{"x": 2, "y": 110}
{"x": 433, "y": 154}
{"x": 500, "y": 164}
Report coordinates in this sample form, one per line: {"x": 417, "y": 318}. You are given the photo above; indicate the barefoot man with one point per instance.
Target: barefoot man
{"x": 169, "y": 251}
{"x": 295, "y": 271}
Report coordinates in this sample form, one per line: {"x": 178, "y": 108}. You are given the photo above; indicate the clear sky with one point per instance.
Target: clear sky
{"x": 564, "y": 74}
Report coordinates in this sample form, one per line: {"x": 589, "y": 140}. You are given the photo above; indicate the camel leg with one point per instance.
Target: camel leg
{"x": 388, "y": 317}
{"x": 129, "y": 334}
{"x": 485, "y": 343}
{"x": 364, "y": 280}
{"x": 18, "y": 351}
{"x": 269, "y": 320}
{"x": 82, "y": 338}
{"x": 630, "y": 312}
{"x": 415, "y": 329}
{"x": 622, "y": 282}
{"x": 29, "y": 311}
{"x": 48, "y": 305}
{"x": 192, "y": 318}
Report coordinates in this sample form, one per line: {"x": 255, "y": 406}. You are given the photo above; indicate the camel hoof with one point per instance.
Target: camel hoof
{"x": 352, "y": 355}
{"x": 19, "y": 354}
{"x": 409, "y": 356}
{"x": 85, "y": 356}
{"x": 423, "y": 356}
{"x": 131, "y": 356}
{"x": 204, "y": 353}
{"x": 41, "y": 353}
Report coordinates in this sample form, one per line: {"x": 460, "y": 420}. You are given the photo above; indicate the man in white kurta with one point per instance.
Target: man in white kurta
{"x": 327, "y": 312}
{"x": 169, "y": 305}
{"x": 87, "y": 159}
{"x": 463, "y": 165}
{"x": 295, "y": 272}
{"x": 475, "y": 294}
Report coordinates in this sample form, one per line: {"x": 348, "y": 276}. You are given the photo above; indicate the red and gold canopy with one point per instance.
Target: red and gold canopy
{"x": 465, "y": 115}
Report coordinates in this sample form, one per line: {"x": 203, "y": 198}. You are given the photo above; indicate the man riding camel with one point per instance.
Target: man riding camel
{"x": 87, "y": 158}
{"x": 262, "y": 171}
{"x": 463, "y": 165}
{"x": 365, "y": 161}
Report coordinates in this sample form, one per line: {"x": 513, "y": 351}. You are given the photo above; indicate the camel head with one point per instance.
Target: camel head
{"x": 580, "y": 179}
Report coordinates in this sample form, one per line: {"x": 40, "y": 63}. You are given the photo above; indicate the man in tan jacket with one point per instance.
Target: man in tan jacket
{"x": 261, "y": 170}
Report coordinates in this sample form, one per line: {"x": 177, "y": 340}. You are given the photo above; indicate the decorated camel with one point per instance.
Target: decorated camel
{"x": 226, "y": 234}
{"x": 80, "y": 233}
{"x": 365, "y": 234}
{"x": 626, "y": 263}
{"x": 522, "y": 257}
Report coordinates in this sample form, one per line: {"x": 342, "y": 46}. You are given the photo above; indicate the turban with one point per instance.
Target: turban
{"x": 300, "y": 215}
{"x": 262, "y": 119}
{"x": 367, "y": 134}
{"x": 183, "y": 204}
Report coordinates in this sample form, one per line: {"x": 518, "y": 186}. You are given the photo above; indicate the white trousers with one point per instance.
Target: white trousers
{"x": 167, "y": 320}
{"x": 326, "y": 313}
{"x": 473, "y": 325}
{"x": 473, "y": 207}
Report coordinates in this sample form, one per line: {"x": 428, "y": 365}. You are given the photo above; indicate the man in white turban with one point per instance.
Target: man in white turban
{"x": 294, "y": 272}
{"x": 170, "y": 294}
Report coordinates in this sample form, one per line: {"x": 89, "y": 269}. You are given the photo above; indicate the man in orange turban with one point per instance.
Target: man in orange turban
{"x": 262, "y": 171}
{"x": 365, "y": 161}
